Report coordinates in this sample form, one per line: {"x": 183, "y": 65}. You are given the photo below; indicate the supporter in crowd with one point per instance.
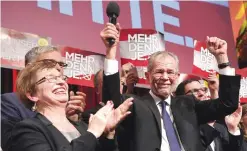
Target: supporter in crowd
{"x": 178, "y": 127}
{"x": 13, "y": 111}
{"x": 98, "y": 83}
{"x": 224, "y": 134}
{"x": 243, "y": 125}
{"x": 43, "y": 88}
{"x": 128, "y": 78}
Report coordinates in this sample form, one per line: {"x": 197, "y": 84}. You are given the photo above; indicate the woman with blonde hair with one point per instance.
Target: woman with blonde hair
{"x": 46, "y": 90}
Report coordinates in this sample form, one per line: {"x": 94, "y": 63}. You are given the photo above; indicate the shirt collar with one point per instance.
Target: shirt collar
{"x": 157, "y": 99}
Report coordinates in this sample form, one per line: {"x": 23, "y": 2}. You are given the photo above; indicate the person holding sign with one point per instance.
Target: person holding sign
{"x": 129, "y": 77}
{"x": 159, "y": 121}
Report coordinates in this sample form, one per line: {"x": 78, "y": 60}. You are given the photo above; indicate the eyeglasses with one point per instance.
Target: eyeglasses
{"x": 54, "y": 62}
{"x": 52, "y": 79}
{"x": 196, "y": 91}
{"x": 160, "y": 73}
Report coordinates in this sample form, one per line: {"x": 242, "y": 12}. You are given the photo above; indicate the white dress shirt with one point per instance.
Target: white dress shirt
{"x": 164, "y": 141}
{"x": 110, "y": 67}
{"x": 212, "y": 145}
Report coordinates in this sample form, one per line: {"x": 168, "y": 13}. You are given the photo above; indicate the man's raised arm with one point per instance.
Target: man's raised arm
{"x": 111, "y": 78}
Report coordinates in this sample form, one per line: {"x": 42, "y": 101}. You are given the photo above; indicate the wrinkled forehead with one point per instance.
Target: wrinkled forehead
{"x": 55, "y": 55}
{"x": 165, "y": 62}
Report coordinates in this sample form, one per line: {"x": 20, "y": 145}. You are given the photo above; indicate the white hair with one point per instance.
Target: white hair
{"x": 163, "y": 54}
{"x": 34, "y": 53}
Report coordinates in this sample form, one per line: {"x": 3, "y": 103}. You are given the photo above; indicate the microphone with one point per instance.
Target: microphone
{"x": 112, "y": 12}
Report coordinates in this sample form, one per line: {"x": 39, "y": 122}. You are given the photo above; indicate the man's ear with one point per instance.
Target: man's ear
{"x": 32, "y": 97}
{"x": 177, "y": 75}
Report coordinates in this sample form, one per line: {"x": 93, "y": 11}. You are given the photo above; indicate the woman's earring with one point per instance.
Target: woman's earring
{"x": 34, "y": 108}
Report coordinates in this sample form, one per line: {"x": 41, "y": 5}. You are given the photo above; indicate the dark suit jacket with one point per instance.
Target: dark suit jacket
{"x": 38, "y": 134}
{"x": 244, "y": 146}
{"x": 141, "y": 131}
{"x": 224, "y": 141}
{"x": 12, "y": 112}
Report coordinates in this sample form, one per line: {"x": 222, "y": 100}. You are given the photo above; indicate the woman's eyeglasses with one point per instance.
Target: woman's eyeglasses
{"x": 52, "y": 79}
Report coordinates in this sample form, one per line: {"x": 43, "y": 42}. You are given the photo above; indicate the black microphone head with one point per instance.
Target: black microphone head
{"x": 112, "y": 8}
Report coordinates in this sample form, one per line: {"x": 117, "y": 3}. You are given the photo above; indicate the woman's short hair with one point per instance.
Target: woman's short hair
{"x": 26, "y": 80}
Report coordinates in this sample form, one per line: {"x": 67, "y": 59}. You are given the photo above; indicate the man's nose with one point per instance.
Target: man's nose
{"x": 201, "y": 92}
{"x": 200, "y": 96}
{"x": 165, "y": 75}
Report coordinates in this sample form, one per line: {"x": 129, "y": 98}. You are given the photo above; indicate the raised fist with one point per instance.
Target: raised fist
{"x": 216, "y": 46}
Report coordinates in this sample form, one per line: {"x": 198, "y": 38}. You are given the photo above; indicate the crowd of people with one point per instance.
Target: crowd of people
{"x": 44, "y": 116}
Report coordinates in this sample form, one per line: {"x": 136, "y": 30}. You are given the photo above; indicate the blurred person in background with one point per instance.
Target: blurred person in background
{"x": 241, "y": 45}
{"x": 98, "y": 82}
{"x": 243, "y": 126}
{"x": 128, "y": 78}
